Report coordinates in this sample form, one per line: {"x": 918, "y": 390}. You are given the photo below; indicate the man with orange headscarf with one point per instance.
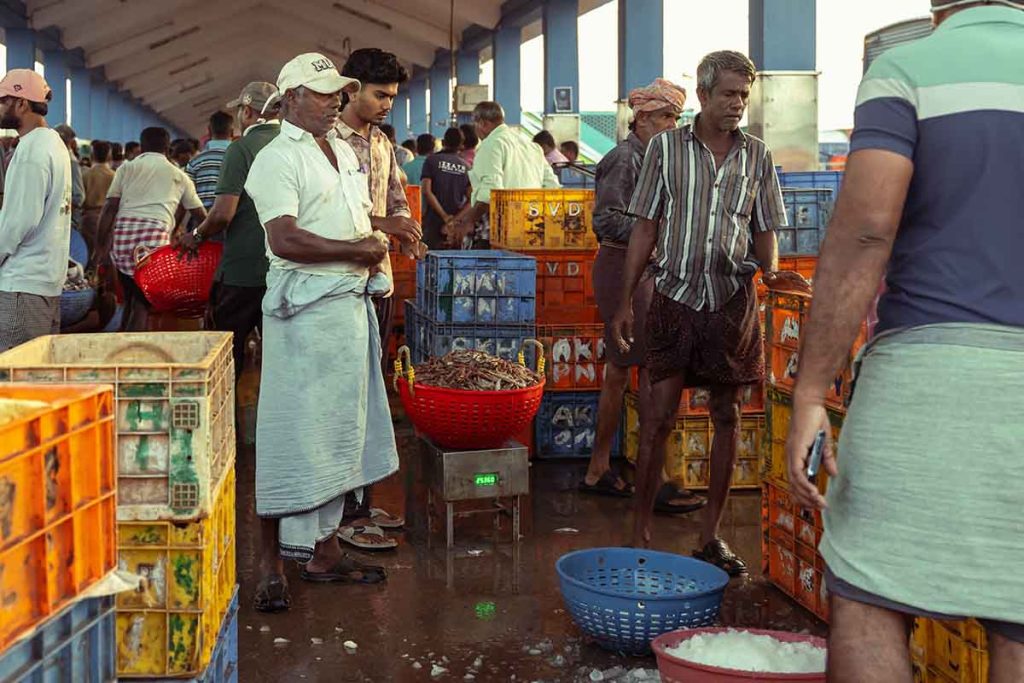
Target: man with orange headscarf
{"x": 656, "y": 108}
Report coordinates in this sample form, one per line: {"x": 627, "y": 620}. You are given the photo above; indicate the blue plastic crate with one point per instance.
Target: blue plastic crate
{"x": 78, "y": 249}
{"x": 830, "y": 180}
{"x": 428, "y": 338}
{"x": 77, "y": 644}
{"x": 576, "y": 178}
{"x": 566, "y": 425}
{"x": 478, "y": 286}
{"x": 223, "y": 667}
{"x": 807, "y": 212}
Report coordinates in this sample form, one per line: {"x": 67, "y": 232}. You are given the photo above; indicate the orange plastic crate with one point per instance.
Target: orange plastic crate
{"x": 576, "y": 355}
{"x": 565, "y": 286}
{"x": 415, "y": 199}
{"x": 405, "y": 286}
{"x": 57, "y": 498}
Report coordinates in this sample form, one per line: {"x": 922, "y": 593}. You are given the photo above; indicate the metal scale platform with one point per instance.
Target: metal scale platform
{"x": 491, "y": 474}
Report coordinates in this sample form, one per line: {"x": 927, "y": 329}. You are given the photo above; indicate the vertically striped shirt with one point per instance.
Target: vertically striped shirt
{"x": 204, "y": 170}
{"x": 707, "y": 216}
{"x": 953, "y": 103}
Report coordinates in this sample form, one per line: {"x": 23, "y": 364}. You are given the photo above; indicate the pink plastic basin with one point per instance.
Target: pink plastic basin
{"x": 676, "y": 670}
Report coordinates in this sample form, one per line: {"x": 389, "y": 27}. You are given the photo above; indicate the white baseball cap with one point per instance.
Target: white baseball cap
{"x": 316, "y": 72}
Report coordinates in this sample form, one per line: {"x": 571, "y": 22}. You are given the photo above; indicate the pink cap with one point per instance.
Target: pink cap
{"x": 26, "y": 84}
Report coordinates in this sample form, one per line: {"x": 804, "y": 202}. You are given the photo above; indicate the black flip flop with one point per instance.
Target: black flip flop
{"x": 272, "y": 595}
{"x": 606, "y": 486}
{"x": 718, "y": 553}
{"x": 669, "y": 492}
{"x": 348, "y": 571}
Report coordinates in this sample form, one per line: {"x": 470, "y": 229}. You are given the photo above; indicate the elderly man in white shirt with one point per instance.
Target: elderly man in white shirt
{"x": 324, "y": 426}
{"x": 35, "y": 222}
{"x": 505, "y": 160}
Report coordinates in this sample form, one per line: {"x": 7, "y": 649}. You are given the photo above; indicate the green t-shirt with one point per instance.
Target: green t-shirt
{"x": 244, "y": 263}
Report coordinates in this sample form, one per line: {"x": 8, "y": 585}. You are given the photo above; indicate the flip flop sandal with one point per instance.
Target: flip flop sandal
{"x": 351, "y": 534}
{"x": 272, "y": 595}
{"x": 718, "y": 553}
{"x": 607, "y": 485}
{"x": 385, "y": 520}
{"x": 669, "y": 492}
{"x": 348, "y": 571}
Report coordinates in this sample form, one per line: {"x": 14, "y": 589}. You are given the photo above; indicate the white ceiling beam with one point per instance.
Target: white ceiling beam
{"x": 60, "y": 13}
{"x": 401, "y": 22}
{"x": 487, "y": 13}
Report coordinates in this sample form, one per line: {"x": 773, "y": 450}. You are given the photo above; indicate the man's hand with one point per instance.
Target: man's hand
{"x": 460, "y": 227}
{"x": 405, "y": 229}
{"x": 370, "y": 251}
{"x": 622, "y": 327}
{"x": 808, "y": 419}
{"x": 787, "y": 280}
{"x": 186, "y": 243}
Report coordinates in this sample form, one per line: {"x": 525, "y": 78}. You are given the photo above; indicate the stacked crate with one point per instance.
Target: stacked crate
{"x": 175, "y": 450}
{"x": 556, "y": 227}
{"x": 57, "y": 530}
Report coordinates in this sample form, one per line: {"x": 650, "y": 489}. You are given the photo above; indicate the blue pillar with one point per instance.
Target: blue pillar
{"x": 507, "y": 42}
{"x": 641, "y": 43}
{"x": 417, "y": 103}
{"x": 21, "y": 48}
{"x": 56, "y": 64}
{"x": 98, "y": 111}
{"x": 115, "y": 114}
{"x": 400, "y": 116}
{"x": 81, "y": 103}
{"x": 467, "y": 69}
{"x": 561, "y": 51}
{"x": 440, "y": 98}
{"x": 782, "y": 35}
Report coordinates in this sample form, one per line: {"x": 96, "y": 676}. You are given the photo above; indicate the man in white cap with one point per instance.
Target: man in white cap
{"x": 236, "y": 301}
{"x": 35, "y": 222}
{"x": 324, "y": 426}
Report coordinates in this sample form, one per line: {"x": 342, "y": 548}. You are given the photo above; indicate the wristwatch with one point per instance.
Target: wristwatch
{"x": 196, "y": 235}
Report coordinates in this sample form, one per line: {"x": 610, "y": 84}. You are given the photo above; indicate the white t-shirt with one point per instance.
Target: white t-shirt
{"x": 292, "y": 176}
{"x": 35, "y": 222}
{"x": 150, "y": 186}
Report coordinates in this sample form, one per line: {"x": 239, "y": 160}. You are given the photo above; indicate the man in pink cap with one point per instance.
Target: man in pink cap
{"x": 35, "y": 222}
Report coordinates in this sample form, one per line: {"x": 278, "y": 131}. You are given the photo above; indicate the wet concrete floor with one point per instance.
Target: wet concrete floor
{"x": 487, "y": 609}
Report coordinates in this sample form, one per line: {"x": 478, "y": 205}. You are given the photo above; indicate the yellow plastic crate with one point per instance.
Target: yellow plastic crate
{"x": 175, "y": 395}
{"x": 780, "y": 413}
{"x": 949, "y": 651}
{"x": 688, "y": 450}
{"x": 543, "y": 219}
{"x": 169, "y": 628}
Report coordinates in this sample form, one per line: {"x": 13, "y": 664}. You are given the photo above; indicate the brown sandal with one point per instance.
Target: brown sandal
{"x": 272, "y": 595}
{"x": 348, "y": 570}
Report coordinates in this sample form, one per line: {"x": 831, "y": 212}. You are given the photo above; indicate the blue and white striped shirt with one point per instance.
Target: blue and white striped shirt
{"x": 204, "y": 170}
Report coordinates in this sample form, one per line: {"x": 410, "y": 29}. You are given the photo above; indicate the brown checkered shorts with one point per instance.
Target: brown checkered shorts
{"x": 704, "y": 347}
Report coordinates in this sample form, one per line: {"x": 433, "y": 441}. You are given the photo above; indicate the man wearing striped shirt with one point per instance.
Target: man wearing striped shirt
{"x": 708, "y": 199}
{"x": 204, "y": 168}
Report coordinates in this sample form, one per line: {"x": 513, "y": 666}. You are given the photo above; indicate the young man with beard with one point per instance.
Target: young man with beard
{"x": 361, "y": 115}
{"x": 35, "y": 222}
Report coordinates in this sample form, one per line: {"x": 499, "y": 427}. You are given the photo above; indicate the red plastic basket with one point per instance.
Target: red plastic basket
{"x": 676, "y": 670}
{"x": 176, "y": 283}
{"x": 462, "y": 419}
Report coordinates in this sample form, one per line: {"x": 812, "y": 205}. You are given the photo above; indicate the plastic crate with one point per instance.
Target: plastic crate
{"x": 953, "y": 651}
{"x": 405, "y": 285}
{"x": 543, "y": 219}
{"x": 688, "y": 449}
{"x": 779, "y": 412}
{"x": 170, "y": 627}
{"x": 565, "y": 287}
{"x": 414, "y": 196}
{"x": 807, "y": 212}
{"x": 822, "y": 180}
{"x": 477, "y": 286}
{"x": 57, "y": 499}
{"x": 578, "y": 176}
{"x": 74, "y": 646}
{"x": 566, "y": 426}
{"x": 223, "y": 667}
{"x": 575, "y": 354}
{"x": 787, "y": 314}
{"x": 429, "y": 339}
{"x": 175, "y": 404}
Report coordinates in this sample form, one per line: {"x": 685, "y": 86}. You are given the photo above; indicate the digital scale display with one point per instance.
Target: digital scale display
{"x": 485, "y": 479}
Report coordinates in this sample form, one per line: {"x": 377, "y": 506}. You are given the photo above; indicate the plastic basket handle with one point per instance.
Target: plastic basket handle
{"x": 540, "y": 354}
{"x": 156, "y": 351}
{"x": 140, "y": 254}
{"x": 400, "y": 370}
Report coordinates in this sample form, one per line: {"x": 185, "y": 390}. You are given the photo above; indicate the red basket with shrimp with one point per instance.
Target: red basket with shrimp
{"x": 466, "y": 419}
{"x": 177, "y": 282}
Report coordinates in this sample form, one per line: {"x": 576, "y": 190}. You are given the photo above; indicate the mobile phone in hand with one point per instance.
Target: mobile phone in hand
{"x": 814, "y": 455}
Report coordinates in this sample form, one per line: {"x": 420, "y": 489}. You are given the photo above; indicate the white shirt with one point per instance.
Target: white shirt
{"x": 35, "y": 222}
{"x": 292, "y": 176}
{"x": 151, "y": 186}
{"x": 508, "y": 160}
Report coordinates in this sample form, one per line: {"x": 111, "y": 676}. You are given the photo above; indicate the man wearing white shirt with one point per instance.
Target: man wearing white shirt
{"x": 35, "y": 222}
{"x": 324, "y": 426}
